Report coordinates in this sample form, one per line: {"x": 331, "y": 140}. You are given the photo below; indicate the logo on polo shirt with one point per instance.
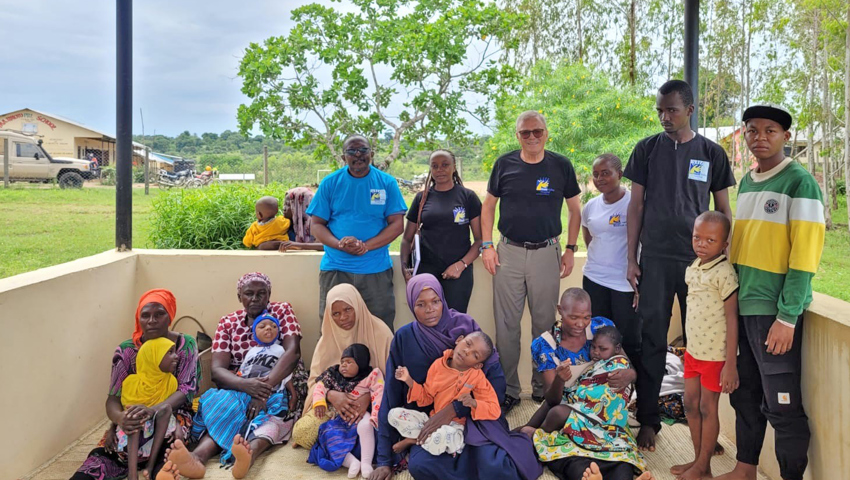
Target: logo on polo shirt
{"x": 543, "y": 186}
{"x": 771, "y": 206}
{"x": 460, "y": 216}
{"x": 698, "y": 170}
{"x": 615, "y": 221}
{"x": 378, "y": 196}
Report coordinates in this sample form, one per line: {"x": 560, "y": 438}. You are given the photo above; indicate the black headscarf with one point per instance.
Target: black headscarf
{"x": 333, "y": 380}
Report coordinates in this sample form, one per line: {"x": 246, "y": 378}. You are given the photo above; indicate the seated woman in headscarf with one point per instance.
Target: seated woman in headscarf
{"x": 490, "y": 451}
{"x": 246, "y": 415}
{"x": 156, "y": 309}
{"x": 295, "y": 209}
{"x": 346, "y": 321}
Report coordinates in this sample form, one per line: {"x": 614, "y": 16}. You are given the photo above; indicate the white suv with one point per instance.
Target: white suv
{"x": 29, "y": 162}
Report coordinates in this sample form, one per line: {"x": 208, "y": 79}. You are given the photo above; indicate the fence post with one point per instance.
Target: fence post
{"x": 265, "y": 165}
{"x": 147, "y": 172}
{"x": 124, "y": 126}
{"x": 7, "y": 152}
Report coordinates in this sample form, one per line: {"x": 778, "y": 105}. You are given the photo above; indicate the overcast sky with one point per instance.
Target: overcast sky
{"x": 58, "y": 57}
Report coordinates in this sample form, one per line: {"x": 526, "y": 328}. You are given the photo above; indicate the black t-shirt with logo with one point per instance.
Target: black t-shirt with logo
{"x": 531, "y": 195}
{"x": 678, "y": 180}
{"x": 446, "y": 217}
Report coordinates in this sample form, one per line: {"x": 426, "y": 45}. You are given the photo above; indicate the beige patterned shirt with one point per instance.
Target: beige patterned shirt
{"x": 709, "y": 285}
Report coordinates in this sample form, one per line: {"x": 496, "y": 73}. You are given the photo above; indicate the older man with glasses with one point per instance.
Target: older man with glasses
{"x": 357, "y": 212}
{"x": 529, "y": 185}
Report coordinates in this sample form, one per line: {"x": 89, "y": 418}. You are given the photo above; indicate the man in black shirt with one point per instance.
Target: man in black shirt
{"x": 673, "y": 176}
{"x": 529, "y": 185}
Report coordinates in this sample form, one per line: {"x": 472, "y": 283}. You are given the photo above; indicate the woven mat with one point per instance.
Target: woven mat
{"x": 287, "y": 463}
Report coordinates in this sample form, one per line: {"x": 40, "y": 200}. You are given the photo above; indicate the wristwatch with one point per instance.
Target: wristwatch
{"x": 574, "y": 248}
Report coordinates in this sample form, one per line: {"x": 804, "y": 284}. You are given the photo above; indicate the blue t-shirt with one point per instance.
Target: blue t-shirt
{"x": 357, "y": 207}
{"x": 547, "y": 358}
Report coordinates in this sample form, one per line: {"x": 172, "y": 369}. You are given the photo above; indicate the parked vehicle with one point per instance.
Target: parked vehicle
{"x": 184, "y": 179}
{"x": 30, "y": 162}
{"x": 208, "y": 177}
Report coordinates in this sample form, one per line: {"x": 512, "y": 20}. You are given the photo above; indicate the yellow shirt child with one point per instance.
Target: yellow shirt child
{"x": 268, "y": 228}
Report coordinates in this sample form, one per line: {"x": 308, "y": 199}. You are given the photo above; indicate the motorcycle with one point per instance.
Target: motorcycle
{"x": 183, "y": 179}
{"x": 207, "y": 177}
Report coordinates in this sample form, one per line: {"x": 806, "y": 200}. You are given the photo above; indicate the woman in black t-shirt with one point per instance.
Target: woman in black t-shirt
{"x": 446, "y": 211}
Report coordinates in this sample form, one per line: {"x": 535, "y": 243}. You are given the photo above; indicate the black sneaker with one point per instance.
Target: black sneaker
{"x": 509, "y": 403}
{"x": 538, "y": 398}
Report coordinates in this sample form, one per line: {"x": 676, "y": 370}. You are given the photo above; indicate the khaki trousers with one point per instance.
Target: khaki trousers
{"x": 534, "y": 274}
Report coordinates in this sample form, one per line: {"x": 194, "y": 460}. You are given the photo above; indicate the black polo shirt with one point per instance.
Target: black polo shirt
{"x": 531, "y": 195}
{"x": 678, "y": 180}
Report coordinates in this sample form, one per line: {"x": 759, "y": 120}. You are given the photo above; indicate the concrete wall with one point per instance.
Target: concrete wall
{"x": 59, "y": 336}
{"x": 59, "y": 333}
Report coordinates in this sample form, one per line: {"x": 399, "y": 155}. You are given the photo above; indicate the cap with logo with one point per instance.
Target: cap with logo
{"x": 770, "y": 112}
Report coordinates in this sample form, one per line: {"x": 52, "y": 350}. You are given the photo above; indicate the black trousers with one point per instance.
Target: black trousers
{"x": 770, "y": 391}
{"x": 617, "y": 307}
{"x": 457, "y": 291}
{"x": 660, "y": 280}
{"x": 572, "y": 468}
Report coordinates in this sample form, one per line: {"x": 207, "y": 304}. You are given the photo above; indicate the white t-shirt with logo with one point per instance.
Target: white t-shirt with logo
{"x": 607, "y": 254}
{"x": 259, "y": 362}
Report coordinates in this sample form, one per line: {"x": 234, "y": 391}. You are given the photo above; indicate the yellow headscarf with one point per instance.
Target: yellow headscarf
{"x": 150, "y": 385}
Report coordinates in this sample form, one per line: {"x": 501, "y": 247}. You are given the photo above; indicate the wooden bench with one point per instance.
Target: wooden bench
{"x": 237, "y": 177}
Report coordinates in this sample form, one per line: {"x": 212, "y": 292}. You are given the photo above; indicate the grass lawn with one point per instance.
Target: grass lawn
{"x": 48, "y": 226}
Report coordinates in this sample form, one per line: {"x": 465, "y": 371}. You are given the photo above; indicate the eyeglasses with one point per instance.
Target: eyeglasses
{"x": 538, "y": 132}
{"x": 355, "y": 151}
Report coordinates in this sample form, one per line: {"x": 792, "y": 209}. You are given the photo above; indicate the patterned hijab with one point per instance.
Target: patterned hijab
{"x": 299, "y": 199}
{"x": 149, "y": 386}
{"x": 333, "y": 380}
{"x": 437, "y": 339}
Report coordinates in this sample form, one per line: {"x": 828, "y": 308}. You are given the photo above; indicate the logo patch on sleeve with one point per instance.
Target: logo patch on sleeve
{"x": 698, "y": 170}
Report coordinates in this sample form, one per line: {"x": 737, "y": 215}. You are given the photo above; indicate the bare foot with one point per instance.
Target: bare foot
{"x": 646, "y": 476}
{"x": 185, "y": 461}
{"x": 696, "y": 473}
{"x": 528, "y": 431}
{"x": 680, "y": 469}
{"x": 646, "y": 438}
{"x": 742, "y": 471}
{"x": 404, "y": 445}
{"x": 718, "y": 450}
{"x": 242, "y": 452}
{"x": 169, "y": 472}
{"x": 592, "y": 472}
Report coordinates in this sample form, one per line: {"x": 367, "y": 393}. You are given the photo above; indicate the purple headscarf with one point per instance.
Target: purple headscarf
{"x": 437, "y": 339}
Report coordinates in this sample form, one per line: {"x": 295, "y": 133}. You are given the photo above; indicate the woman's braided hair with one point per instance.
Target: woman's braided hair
{"x": 430, "y": 182}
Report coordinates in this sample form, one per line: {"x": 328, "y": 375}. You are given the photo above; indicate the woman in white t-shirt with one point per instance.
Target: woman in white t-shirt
{"x": 603, "y": 223}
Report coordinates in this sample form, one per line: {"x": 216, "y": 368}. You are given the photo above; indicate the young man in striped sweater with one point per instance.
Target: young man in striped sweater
{"x": 776, "y": 247}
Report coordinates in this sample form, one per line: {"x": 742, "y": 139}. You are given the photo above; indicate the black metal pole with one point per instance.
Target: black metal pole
{"x": 124, "y": 126}
{"x": 692, "y": 55}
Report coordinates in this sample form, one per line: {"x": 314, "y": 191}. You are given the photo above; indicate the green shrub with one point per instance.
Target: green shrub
{"x": 107, "y": 176}
{"x": 214, "y": 217}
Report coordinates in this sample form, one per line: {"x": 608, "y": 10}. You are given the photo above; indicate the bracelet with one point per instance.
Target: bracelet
{"x": 486, "y": 244}
{"x": 464, "y": 264}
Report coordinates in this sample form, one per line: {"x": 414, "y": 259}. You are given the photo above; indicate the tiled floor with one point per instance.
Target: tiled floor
{"x": 286, "y": 463}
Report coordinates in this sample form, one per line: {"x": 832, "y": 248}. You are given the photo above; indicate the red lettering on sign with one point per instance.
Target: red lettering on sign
{"x": 46, "y": 122}
{"x": 10, "y": 118}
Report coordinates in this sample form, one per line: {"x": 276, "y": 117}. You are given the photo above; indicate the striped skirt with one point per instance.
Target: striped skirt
{"x": 336, "y": 440}
{"x": 223, "y": 414}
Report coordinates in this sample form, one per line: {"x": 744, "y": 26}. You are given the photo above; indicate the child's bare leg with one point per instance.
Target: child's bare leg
{"x": 710, "y": 430}
{"x": 692, "y": 399}
{"x": 528, "y": 431}
{"x": 645, "y": 476}
{"x": 243, "y": 454}
{"x": 133, "y": 456}
{"x": 539, "y": 416}
{"x": 403, "y": 444}
{"x": 160, "y": 427}
{"x": 556, "y": 418}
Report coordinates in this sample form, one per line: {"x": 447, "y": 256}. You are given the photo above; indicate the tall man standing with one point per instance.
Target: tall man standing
{"x": 357, "y": 212}
{"x": 529, "y": 185}
{"x": 673, "y": 174}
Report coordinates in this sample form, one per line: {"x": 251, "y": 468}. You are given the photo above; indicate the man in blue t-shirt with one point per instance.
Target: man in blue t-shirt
{"x": 357, "y": 212}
